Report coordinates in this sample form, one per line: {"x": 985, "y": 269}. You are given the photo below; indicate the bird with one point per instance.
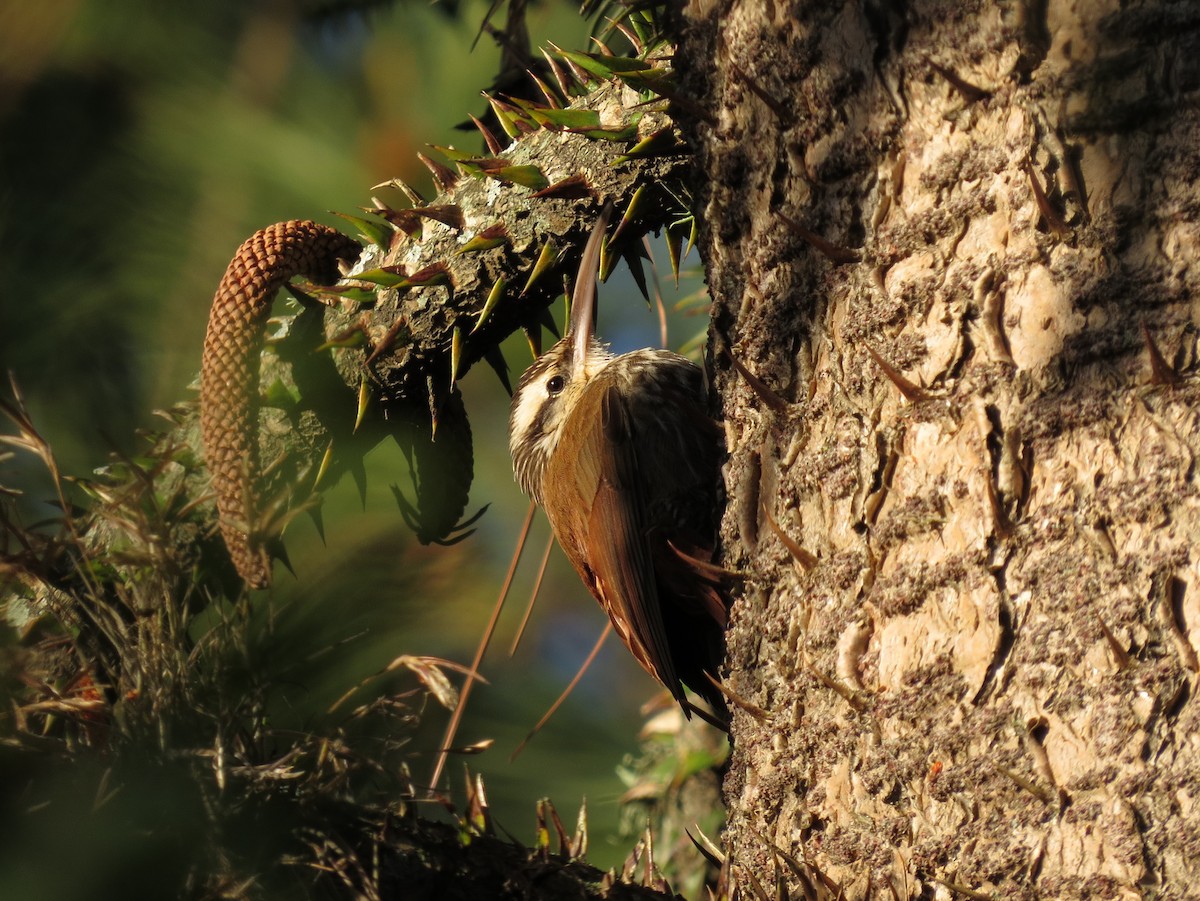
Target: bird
{"x": 621, "y": 454}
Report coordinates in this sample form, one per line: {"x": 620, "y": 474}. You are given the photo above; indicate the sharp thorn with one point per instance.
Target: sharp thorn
{"x": 1161, "y": 372}
{"x": 533, "y": 334}
{"x": 774, "y": 104}
{"x": 707, "y": 848}
{"x": 489, "y": 305}
{"x": 323, "y": 467}
{"x": 504, "y": 115}
{"x": 1054, "y": 222}
{"x": 911, "y": 391}
{"x": 546, "y": 259}
{"x": 631, "y": 212}
{"x": 443, "y": 178}
{"x": 674, "y": 246}
{"x": 633, "y": 259}
{"x": 358, "y": 473}
{"x": 604, "y": 48}
{"x": 318, "y": 520}
{"x": 494, "y": 146}
{"x": 630, "y": 35}
{"x": 546, "y": 318}
{"x": 276, "y": 550}
{"x": 552, "y": 99}
{"x": 834, "y": 252}
{"x": 803, "y": 557}
{"x": 456, "y": 349}
{"x": 494, "y": 357}
{"x": 573, "y": 187}
{"x": 765, "y": 393}
{"x": 560, "y": 76}
{"x": 579, "y": 844}
{"x": 364, "y": 401}
{"x": 970, "y": 92}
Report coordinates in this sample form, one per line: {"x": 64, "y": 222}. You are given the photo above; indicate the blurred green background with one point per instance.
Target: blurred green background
{"x": 140, "y": 142}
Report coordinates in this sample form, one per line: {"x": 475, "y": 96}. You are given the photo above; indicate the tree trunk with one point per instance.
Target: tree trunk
{"x": 983, "y": 680}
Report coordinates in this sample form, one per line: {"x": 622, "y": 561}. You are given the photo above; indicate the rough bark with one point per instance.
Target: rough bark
{"x": 985, "y": 681}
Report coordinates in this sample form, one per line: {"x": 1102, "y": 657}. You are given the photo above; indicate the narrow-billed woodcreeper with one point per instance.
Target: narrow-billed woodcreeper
{"x": 621, "y": 454}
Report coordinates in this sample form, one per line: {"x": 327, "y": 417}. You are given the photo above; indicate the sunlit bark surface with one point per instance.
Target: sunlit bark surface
{"x": 986, "y": 680}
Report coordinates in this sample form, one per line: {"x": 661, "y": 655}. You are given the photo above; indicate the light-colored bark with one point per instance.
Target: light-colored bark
{"x": 986, "y": 681}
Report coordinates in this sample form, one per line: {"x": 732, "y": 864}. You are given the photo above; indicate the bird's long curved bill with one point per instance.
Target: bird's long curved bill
{"x": 583, "y": 298}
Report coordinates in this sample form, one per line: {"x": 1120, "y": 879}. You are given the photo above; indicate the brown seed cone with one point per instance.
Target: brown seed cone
{"x": 230, "y": 367}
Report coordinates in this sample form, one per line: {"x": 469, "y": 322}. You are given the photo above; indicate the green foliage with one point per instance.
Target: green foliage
{"x": 132, "y": 657}
{"x": 674, "y": 784}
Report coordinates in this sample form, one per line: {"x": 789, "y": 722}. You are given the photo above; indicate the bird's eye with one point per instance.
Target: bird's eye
{"x": 555, "y": 385}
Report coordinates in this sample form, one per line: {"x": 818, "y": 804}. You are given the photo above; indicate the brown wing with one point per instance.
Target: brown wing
{"x": 609, "y": 548}
{"x": 621, "y": 557}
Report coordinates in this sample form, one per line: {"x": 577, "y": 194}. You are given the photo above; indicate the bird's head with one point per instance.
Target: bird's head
{"x": 551, "y": 387}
